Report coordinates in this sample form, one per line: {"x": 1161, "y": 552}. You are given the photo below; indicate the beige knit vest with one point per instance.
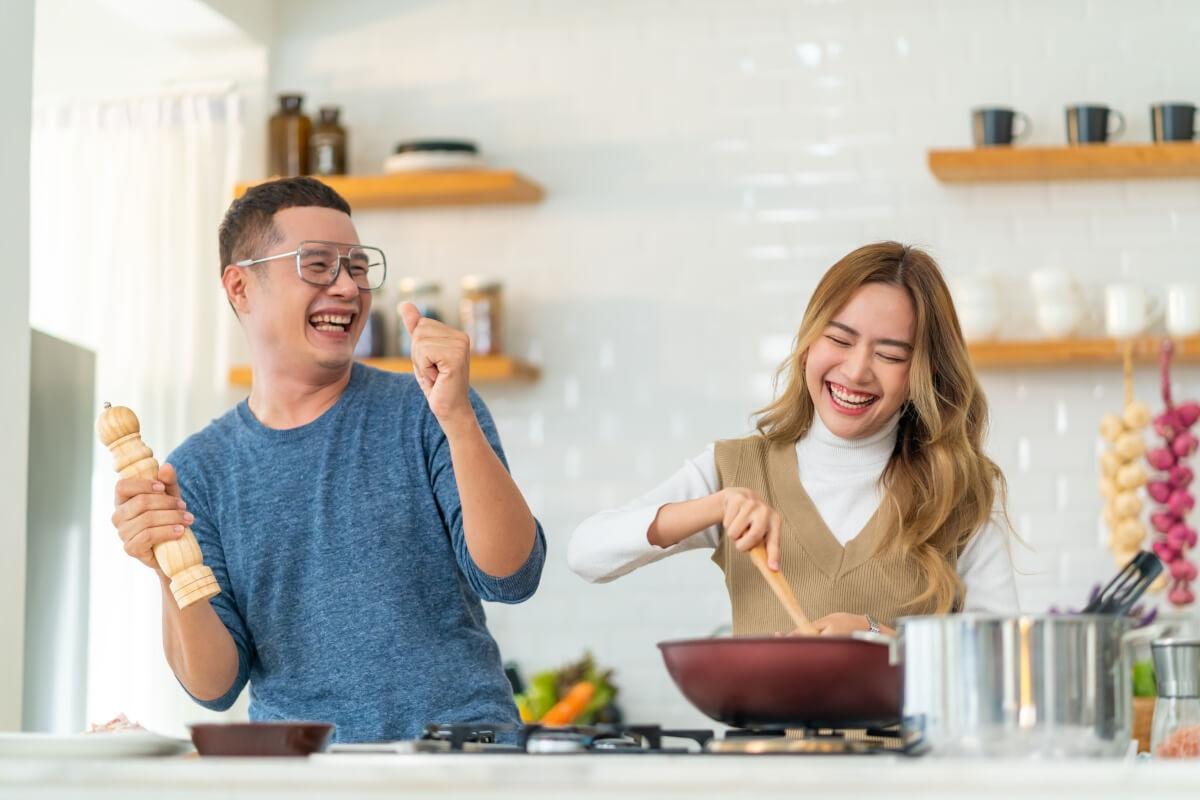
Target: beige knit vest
{"x": 866, "y": 576}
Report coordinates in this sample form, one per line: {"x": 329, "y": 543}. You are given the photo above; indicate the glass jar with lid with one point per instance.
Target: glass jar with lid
{"x": 327, "y": 144}
{"x": 481, "y": 312}
{"x": 426, "y": 295}
{"x": 1176, "y": 730}
{"x": 287, "y": 138}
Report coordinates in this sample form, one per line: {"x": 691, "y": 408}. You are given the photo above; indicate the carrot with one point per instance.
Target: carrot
{"x": 571, "y": 706}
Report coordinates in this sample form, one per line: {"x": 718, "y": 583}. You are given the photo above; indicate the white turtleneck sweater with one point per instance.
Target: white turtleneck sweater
{"x": 842, "y": 478}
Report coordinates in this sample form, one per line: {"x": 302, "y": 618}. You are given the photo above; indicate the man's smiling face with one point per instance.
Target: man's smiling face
{"x": 292, "y": 323}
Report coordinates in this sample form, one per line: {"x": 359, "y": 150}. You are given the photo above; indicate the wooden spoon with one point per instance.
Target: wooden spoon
{"x": 779, "y": 585}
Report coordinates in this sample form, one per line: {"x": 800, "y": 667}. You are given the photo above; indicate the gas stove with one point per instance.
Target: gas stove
{"x": 647, "y": 740}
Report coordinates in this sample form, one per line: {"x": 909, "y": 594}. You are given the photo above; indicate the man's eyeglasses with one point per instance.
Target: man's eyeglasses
{"x": 320, "y": 263}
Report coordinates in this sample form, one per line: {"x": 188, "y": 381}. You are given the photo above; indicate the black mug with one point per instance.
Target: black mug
{"x": 1089, "y": 124}
{"x": 1173, "y": 122}
{"x": 994, "y": 126}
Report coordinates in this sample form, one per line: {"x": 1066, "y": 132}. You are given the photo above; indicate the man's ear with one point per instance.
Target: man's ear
{"x": 234, "y": 281}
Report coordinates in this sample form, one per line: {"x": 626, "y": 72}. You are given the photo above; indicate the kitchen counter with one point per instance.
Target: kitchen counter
{"x": 449, "y": 777}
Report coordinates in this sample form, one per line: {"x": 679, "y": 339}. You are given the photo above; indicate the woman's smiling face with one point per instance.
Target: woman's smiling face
{"x": 857, "y": 370}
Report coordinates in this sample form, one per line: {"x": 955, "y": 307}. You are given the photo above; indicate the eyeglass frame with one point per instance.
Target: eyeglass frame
{"x": 337, "y": 269}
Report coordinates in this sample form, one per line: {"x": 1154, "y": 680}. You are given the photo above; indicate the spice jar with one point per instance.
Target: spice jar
{"x": 1176, "y": 732}
{"x": 288, "y": 130}
{"x": 327, "y": 145}
{"x": 481, "y": 314}
{"x": 370, "y": 341}
{"x": 426, "y": 295}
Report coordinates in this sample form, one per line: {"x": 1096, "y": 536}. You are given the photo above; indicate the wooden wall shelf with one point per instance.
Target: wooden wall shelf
{"x": 434, "y": 188}
{"x": 1084, "y": 162}
{"x": 1076, "y": 352}
{"x": 489, "y": 369}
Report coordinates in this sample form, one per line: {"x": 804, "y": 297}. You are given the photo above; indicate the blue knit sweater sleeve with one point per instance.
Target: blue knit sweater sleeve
{"x": 513, "y": 588}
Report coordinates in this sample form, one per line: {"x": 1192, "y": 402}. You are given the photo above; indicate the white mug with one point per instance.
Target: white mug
{"x": 979, "y": 320}
{"x": 1183, "y": 309}
{"x": 1058, "y": 320}
{"x": 1128, "y": 312}
{"x": 1053, "y": 287}
{"x": 977, "y": 301}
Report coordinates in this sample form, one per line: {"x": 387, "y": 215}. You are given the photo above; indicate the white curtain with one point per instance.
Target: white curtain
{"x": 126, "y": 198}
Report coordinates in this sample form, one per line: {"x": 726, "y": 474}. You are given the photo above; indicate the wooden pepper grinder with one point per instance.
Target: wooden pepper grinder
{"x": 180, "y": 559}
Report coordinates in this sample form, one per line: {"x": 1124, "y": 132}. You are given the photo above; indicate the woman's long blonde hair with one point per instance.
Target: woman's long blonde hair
{"x": 938, "y": 480}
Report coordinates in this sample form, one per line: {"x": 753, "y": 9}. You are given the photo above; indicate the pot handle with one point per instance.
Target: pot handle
{"x": 894, "y": 644}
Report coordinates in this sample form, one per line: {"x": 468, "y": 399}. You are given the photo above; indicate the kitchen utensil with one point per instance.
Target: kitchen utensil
{"x": 179, "y": 559}
{"x": 779, "y": 585}
{"x": 260, "y": 738}
{"x": 119, "y": 744}
{"x": 994, "y": 126}
{"x": 1127, "y": 586}
{"x": 1176, "y": 727}
{"x": 1173, "y": 122}
{"x": 1032, "y": 685}
{"x": 788, "y": 680}
{"x": 1088, "y": 124}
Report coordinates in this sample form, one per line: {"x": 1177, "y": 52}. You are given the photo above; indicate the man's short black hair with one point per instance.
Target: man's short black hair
{"x": 248, "y": 226}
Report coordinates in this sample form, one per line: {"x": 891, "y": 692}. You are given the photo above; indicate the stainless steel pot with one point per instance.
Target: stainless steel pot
{"x": 1034, "y": 685}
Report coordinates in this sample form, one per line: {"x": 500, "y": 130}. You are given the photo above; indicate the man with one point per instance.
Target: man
{"x": 353, "y": 518}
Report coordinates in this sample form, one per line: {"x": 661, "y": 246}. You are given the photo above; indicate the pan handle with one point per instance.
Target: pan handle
{"x": 895, "y": 645}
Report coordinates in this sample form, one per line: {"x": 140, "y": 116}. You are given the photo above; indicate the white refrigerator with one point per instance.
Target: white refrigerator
{"x": 62, "y": 412}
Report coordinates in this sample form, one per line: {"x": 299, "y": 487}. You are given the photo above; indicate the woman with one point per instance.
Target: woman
{"x": 867, "y": 480}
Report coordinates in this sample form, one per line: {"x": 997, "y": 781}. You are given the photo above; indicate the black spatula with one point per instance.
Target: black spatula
{"x": 1130, "y": 583}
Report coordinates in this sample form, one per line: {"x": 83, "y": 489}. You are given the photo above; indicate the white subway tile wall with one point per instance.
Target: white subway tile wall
{"x": 705, "y": 162}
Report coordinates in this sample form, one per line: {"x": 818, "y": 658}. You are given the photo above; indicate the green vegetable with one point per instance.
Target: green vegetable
{"x": 1144, "y": 683}
{"x": 542, "y": 693}
{"x": 548, "y": 687}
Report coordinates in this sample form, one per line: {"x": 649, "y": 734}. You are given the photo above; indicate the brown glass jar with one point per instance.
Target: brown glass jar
{"x": 327, "y": 145}
{"x": 287, "y": 139}
{"x": 481, "y": 314}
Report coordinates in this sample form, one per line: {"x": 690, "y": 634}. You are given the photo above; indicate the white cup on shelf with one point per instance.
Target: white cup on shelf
{"x": 977, "y": 302}
{"x": 1058, "y": 304}
{"x": 1053, "y": 287}
{"x": 1128, "y": 311}
{"x": 1183, "y": 309}
{"x": 1058, "y": 320}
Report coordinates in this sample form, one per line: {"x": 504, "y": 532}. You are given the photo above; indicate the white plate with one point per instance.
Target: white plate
{"x": 420, "y": 160}
{"x": 119, "y": 744}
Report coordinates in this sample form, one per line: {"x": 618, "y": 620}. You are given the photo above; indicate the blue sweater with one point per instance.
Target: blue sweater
{"x": 345, "y": 578}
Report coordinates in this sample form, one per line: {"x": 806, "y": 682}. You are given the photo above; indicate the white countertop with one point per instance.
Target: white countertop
{"x": 449, "y": 777}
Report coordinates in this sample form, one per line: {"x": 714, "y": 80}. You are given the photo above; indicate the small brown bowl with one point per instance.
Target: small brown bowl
{"x": 260, "y": 738}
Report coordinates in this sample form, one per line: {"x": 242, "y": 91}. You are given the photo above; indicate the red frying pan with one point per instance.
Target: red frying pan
{"x": 749, "y": 682}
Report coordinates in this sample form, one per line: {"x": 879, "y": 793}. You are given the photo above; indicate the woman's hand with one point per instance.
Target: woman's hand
{"x": 748, "y": 520}
{"x": 841, "y": 624}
